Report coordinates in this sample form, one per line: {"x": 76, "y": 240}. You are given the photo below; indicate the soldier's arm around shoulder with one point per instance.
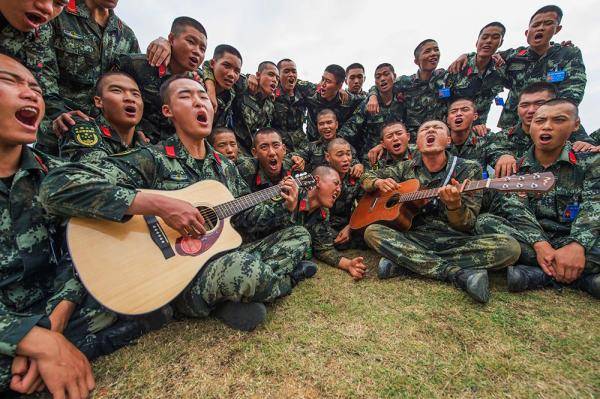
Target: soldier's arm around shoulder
{"x": 586, "y": 226}
{"x": 463, "y": 218}
{"x": 573, "y": 86}
{"x": 396, "y": 172}
{"x": 305, "y": 89}
{"x": 103, "y": 189}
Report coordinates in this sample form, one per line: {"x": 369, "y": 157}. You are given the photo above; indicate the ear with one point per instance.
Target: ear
{"x": 166, "y": 110}
{"x": 526, "y": 32}
{"x": 416, "y": 61}
{"x": 284, "y": 149}
{"x": 558, "y": 29}
{"x": 337, "y": 124}
{"x": 577, "y": 124}
{"x": 171, "y": 37}
{"x": 212, "y": 64}
{"x": 475, "y": 116}
{"x": 327, "y": 157}
{"x": 449, "y": 141}
{"x": 98, "y": 102}
{"x": 253, "y": 152}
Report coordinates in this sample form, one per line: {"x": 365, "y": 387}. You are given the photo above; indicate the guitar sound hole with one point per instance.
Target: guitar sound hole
{"x": 211, "y": 220}
{"x": 392, "y": 201}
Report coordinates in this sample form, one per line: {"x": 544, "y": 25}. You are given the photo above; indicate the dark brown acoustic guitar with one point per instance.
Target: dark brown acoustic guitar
{"x": 402, "y": 205}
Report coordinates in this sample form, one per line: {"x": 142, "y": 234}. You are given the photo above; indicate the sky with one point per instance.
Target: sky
{"x": 316, "y": 33}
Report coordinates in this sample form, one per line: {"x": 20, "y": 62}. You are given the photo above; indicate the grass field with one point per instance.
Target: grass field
{"x": 335, "y": 338}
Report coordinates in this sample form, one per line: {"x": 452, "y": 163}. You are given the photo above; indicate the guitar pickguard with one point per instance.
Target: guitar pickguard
{"x": 189, "y": 246}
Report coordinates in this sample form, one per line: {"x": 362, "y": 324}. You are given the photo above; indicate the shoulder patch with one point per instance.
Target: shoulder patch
{"x": 85, "y": 135}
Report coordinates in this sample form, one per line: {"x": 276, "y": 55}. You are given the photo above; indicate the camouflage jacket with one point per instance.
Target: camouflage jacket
{"x": 480, "y": 86}
{"x": 476, "y": 149}
{"x": 595, "y": 136}
{"x": 321, "y": 233}
{"x": 34, "y": 276}
{"x": 83, "y": 51}
{"x": 509, "y": 207}
{"x": 105, "y": 189}
{"x": 339, "y": 214}
{"x": 516, "y": 142}
{"x": 89, "y": 141}
{"x": 314, "y": 154}
{"x": 363, "y": 129}
{"x": 288, "y": 116}
{"x": 255, "y": 176}
{"x": 223, "y": 113}
{"x": 435, "y": 214}
{"x": 250, "y": 113}
{"x": 149, "y": 79}
{"x": 422, "y": 99}
{"x": 386, "y": 160}
{"x": 560, "y": 65}
{"x": 572, "y": 208}
{"x": 315, "y": 103}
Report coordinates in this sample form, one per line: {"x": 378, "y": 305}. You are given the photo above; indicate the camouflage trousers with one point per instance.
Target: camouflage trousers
{"x": 492, "y": 224}
{"x": 438, "y": 253}
{"x": 294, "y": 140}
{"x": 92, "y": 329}
{"x": 256, "y": 272}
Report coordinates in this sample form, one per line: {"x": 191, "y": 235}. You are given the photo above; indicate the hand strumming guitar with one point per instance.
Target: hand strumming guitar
{"x": 386, "y": 185}
{"x": 450, "y": 195}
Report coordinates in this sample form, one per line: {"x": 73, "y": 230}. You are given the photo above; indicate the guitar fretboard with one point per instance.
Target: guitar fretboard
{"x": 433, "y": 192}
{"x": 240, "y": 204}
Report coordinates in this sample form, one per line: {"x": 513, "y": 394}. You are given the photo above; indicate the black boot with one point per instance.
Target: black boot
{"x": 474, "y": 282}
{"x": 303, "y": 270}
{"x": 241, "y": 315}
{"x": 522, "y": 277}
{"x": 589, "y": 283}
{"x": 388, "y": 269}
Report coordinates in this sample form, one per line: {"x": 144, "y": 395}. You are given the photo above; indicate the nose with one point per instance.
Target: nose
{"x": 27, "y": 93}
{"x": 45, "y": 7}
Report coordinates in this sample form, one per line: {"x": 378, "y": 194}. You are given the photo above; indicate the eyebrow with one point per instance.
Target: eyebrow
{"x": 20, "y": 78}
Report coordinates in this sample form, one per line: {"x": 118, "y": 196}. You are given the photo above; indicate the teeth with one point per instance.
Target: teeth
{"x": 29, "y": 110}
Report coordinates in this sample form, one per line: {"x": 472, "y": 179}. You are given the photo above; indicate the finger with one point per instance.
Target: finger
{"x": 41, "y": 386}
{"x": 61, "y": 126}
{"x": 83, "y": 389}
{"x": 197, "y": 228}
{"x": 69, "y": 119}
{"x": 82, "y": 115}
{"x": 546, "y": 269}
{"x": 154, "y": 54}
{"x": 513, "y": 167}
{"x": 30, "y": 379}
{"x": 16, "y": 384}
{"x": 19, "y": 365}
{"x": 59, "y": 393}
{"x": 73, "y": 390}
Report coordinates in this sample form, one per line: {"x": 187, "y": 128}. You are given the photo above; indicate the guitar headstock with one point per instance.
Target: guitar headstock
{"x": 536, "y": 182}
{"x": 305, "y": 180}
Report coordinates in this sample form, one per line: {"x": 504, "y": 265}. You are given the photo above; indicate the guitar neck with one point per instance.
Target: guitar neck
{"x": 433, "y": 192}
{"x": 242, "y": 203}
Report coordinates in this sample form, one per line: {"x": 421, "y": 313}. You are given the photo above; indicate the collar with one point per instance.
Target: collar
{"x": 303, "y": 206}
{"x": 418, "y": 162}
{"x": 261, "y": 175}
{"x": 174, "y": 148}
{"x": 567, "y": 155}
{"x": 30, "y": 160}
{"x": 471, "y": 140}
{"x": 471, "y": 67}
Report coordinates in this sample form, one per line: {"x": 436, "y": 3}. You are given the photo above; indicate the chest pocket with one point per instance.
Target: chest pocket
{"x": 76, "y": 54}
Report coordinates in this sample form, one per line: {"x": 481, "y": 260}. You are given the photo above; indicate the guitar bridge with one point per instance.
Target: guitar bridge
{"x": 373, "y": 204}
{"x": 159, "y": 237}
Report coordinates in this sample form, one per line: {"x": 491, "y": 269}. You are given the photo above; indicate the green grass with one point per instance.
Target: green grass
{"x": 336, "y": 338}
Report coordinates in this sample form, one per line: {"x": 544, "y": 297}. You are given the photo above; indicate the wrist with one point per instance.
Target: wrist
{"x": 37, "y": 343}
{"x": 453, "y": 207}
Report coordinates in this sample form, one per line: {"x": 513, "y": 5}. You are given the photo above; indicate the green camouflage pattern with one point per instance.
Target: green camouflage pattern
{"x": 595, "y": 136}
{"x": 254, "y": 175}
{"x": 314, "y": 154}
{"x": 339, "y": 214}
{"x": 421, "y": 99}
{"x": 387, "y": 160}
{"x": 89, "y": 141}
{"x": 288, "y": 117}
{"x": 155, "y": 126}
{"x": 480, "y": 86}
{"x": 481, "y": 149}
{"x": 524, "y": 67}
{"x": 223, "y": 113}
{"x": 571, "y": 210}
{"x": 106, "y": 189}
{"x": 363, "y": 129}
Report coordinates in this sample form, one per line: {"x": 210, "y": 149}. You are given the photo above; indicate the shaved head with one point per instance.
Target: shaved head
{"x": 324, "y": 171}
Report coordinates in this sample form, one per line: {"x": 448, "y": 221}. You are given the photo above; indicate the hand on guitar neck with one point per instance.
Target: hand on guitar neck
{"x": 450, "y": 194}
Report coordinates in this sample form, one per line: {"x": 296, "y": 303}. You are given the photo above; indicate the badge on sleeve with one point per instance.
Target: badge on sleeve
{"x": 556, "y": 76}
{"x": 499, "y": 101}
{"x": 86, "y": 136}
{"x": 571, "y": 211}
{"x": 444, "y": 92}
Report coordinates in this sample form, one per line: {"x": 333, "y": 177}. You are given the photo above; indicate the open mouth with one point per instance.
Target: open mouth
{"x": 273, "y": 162}
{"x": 28, "y": 116}
{"x": 545, "y": 138}
{"x": 430, "y": 139}
{"x": 35, "y": 19}
{"x": 273, "y": 87}
{"x": 291, "y": 80}
{"x": 458, "y": 121}
{"x": 538, "y": 36}
{"x": 334, "y": 196}
{"x": 397, "y": 146}
{"x": 201, "y": 117}
{"x": 229, "y": 82}
{"x": 130, "y": 110}
{"x": 434, "y": 60}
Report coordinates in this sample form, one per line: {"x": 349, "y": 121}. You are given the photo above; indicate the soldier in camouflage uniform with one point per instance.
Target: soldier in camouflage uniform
{"x": 314, "y": 154}
{"x": 569, "y": 251}
{"x": 83, "y": 48}
{"x": 509, "y": 145}
{"x": 235, "y": 284}
{"x": 290, "y": 107}
{"x": 46, "y": 318}
{"x": 395, "y": 147}
{"x": 339, "y": 158}
{"x": 313, "y": 213}
{"x": 363, "y": 129}
{"x": 328, "y": 95}
{"x": 224, "y": 142}
{"x": 424, "y": 92}
{"x": 440, "y": 243}
{"x": 188, "y": 46}
{"x": 221, "y": 74}
{"x": 479, "y": 79}
{"x": 595, "y": 136}
{"x": 542, "y": 61}
{"x": 120, "y": 101}
{"x": 355, "y": 78}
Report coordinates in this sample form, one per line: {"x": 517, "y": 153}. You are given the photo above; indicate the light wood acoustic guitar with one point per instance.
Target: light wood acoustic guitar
{"x": 401, "y": 205}
{"x": 138, "y": 266}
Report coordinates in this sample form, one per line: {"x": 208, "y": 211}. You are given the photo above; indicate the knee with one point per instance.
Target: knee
{"x": 510, "y": 247}
{"x": 485, "y": 223}
{"x": 300, "y": 235}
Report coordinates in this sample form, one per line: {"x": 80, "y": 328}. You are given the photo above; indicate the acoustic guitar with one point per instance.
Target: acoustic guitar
{"x": 402, "y": 205}
{"x": 138, "y": 266}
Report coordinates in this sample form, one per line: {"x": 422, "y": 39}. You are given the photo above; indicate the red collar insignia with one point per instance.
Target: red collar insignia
{"x": 41, "y": 162}
{"x": 352, "y": 181}
{"x": 170, "y": 150}
{"x": 303, "y": 205}
{"x": 72, "y": 6}
{"x": 105, "y": 131}
{"x": 323, "y": 214}
{"x": 469, "y": 71}
{"x": 572, "y": 157}
{"x": 258, "y": 179}
{"x": 400, "y": 97}
{"x": 511, "y": 131}
{"x": 288, "y": 173}
{"x": 474, "y": 140}
{"x": 217, "y": 157}
{"x": 162, "y": 70}
{"x": 522, "y": 52}
{"x": 277, "y": 92}
{"x": 120, "y": 24}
